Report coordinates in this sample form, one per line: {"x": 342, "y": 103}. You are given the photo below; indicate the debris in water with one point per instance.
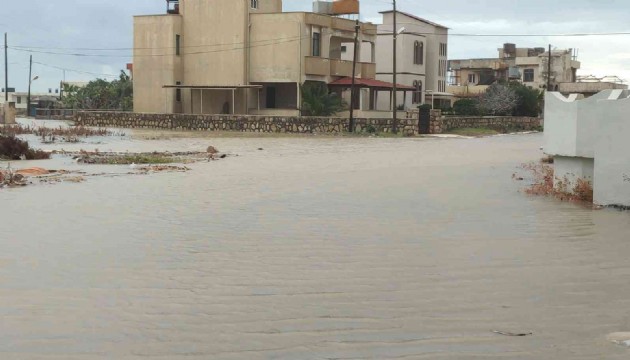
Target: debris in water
{"x": 620, "y": 338}
{"x": 505, "y": 333}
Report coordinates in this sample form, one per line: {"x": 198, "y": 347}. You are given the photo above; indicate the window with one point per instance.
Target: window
{"x": 528, "y": 75}
{"x": 344, "y": 49}
{"x": 178, "y": 92}
{"x": 254, "y": 4}
{"x": 417, "y": 94}
{"x": 443, "y": 49}
{"x": 317, "y": 44}
{"x": 418, "y": 53}
{"x": 472, "y": 78}
{"x": 19, "y": 100}
{"x": 178, "y": 41}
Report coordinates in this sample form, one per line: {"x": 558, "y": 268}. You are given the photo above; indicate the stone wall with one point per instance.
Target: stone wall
{"x": 243, "y": 123}
{"x": 499, "y": 123}
{"x": 439, "y": 124}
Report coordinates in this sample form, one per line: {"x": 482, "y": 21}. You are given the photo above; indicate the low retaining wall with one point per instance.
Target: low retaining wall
{"x": 243, "y": 123}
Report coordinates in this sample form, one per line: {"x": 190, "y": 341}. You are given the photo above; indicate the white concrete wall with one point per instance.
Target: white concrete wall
{"x": 569, "y": 169}
{"x": 590, "y": 140}
{"x": 612, "y": 155}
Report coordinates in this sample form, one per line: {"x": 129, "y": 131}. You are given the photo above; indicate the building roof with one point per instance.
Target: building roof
{"x": 370, "y": 83}
{"x": 415, "y": 18}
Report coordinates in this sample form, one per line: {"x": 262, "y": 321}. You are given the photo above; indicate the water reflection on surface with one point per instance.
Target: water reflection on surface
{"x": 314, "y": 248}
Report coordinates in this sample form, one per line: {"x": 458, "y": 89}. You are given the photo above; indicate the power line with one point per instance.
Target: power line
{"x": 73, "y": 70}
{"x": 44, "y": 50}
{"x": 269, "y": 43}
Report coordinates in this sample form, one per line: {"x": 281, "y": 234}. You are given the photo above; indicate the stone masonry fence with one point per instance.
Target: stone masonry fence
{"x": 301, "y": 125}
{"x": 242, "y": 123}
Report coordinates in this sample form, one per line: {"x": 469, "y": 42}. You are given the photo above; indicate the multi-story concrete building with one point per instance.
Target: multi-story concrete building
{"x": 526, "y": 65}
{"x": 239, "y": 56}
{"x": 422, "y": 51}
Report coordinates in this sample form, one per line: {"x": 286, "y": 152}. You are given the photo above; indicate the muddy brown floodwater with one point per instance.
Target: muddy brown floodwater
{"x": 313, "y": 248}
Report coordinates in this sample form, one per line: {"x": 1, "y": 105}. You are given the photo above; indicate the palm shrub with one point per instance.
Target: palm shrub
{"x": 318, "y": 101}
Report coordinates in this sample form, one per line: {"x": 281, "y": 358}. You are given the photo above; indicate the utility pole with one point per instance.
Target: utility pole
{"x": 6, "y": 69}
{"x": 549, "y": 71}
{"x": 357, "y": 27}
{"x": 395, "y": 87}
{"x": 30, "y": 80}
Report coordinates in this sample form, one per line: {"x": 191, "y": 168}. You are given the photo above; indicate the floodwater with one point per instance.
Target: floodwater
{"x": 312, "y": 248}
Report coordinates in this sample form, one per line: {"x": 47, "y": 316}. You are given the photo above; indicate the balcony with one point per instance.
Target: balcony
{"x": 317, "y": 66}
{"x": 368, "y": 70}
{"x": 341, "y": 68}
{"x": 335, "y": 67}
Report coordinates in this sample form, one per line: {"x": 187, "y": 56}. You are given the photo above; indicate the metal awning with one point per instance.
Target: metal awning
{"x": 212, "y": 87}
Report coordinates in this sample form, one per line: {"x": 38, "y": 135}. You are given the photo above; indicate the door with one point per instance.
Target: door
{"x": 424, "y": 120}
{"x": 271, "y": 97}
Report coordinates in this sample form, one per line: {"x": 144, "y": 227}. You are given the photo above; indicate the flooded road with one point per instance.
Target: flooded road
{"x": 312, "y": 248}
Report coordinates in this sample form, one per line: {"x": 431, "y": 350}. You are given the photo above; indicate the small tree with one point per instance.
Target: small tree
{"x": 498, "y": 100}
{"x": 101, "y": 94}
{"x": 529, "y": 100}
{"x": 317, "y": 101}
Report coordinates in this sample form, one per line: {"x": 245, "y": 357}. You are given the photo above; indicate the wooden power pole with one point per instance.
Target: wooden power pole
{"x": 395, "y": 70}
{"x": 549, "y": 88}
{"x": 30, "y": 80}
{"x": 6, "y": 69}
{"x": 357, "y": 27}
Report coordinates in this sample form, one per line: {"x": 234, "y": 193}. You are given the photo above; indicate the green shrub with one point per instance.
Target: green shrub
{"x": 466, "y": 107}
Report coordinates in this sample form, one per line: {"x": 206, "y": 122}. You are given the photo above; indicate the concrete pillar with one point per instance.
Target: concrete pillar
{"x": 7, "y": 113}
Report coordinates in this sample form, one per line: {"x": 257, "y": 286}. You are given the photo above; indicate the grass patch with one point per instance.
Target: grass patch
{"x": 473, "y": 131}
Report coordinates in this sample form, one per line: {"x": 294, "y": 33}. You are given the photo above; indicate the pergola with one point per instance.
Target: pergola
{"x": 375, "y": 86}
{"x": 214, "y": 88}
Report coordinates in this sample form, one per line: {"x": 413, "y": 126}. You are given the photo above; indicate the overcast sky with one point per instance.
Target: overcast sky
{"x": 53, "y": 26}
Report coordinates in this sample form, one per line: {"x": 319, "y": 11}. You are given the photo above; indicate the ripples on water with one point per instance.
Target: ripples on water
{"x": 312, "y": 249}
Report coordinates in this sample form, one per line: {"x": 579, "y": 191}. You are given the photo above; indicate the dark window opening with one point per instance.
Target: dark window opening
{"x": 417, "y": 94}
{"x": 271, "y": 98}
{"x": 178, "y": 93}
{"x": 317, "y": 45}
{"x": 177, "y": 44}
{"x": 418, "y": 53}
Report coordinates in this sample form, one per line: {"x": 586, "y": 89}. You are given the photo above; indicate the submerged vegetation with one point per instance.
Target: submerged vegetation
{"x": 70, "y": 134}
{"x": 12, "y": 148}
{"x": 546, "y": 184}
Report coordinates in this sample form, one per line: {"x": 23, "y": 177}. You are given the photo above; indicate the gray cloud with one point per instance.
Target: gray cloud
{"x": 108, "y": 24}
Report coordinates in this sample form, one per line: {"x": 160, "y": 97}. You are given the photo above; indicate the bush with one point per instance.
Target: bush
{"x": 12, "y": 148}
{"x": 466, "y": 107}
{"x": 425, "y": 107}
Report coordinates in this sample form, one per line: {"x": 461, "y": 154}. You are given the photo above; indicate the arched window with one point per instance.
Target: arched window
{"x": 418, "y": 53}
{"x": 417, "y": 93}
{"x": 416, "y": 45}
